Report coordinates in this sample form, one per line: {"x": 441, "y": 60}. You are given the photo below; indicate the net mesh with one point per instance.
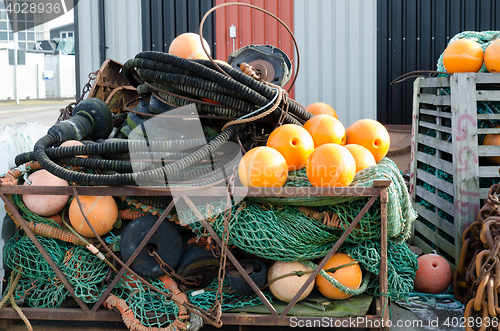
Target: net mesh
{"x": 288, "y": 229}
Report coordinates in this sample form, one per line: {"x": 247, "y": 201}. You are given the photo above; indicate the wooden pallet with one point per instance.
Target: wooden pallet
{"x": 446, "y": 121}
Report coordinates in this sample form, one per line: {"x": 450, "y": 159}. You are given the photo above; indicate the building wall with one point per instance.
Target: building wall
{"x": 121, "y": 41}
{"x": 338, "y": 47}
{"x": 56, "y": 33}
{"x": 412, "y": 35}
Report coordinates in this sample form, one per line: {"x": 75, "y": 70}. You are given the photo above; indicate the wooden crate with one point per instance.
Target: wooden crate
{"x": 448, "y": 123}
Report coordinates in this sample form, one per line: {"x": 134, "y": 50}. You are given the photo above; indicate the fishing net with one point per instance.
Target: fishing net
{"x": 277, "y": 230}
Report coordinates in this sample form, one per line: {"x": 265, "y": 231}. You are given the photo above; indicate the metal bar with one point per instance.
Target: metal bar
{"x": 384, "y": 288}
{"x": 42, "y": 251}
{"x": 213, "y": 191}
{"x": 367, "y": 321}
{"x": 134, "y": 255}
{"x": 320, "y": 266}
{"x": 63, "y": 314}
{"x": 238, "y": 266}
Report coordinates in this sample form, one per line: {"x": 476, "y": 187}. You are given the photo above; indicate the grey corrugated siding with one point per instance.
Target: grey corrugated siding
{"x": 412, "y": 35}
{"x": 337, "y": 41}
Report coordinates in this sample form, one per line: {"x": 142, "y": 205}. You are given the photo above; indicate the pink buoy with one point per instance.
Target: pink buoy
{"x": 45, "y": 205}
{"x": 434, "y": 274}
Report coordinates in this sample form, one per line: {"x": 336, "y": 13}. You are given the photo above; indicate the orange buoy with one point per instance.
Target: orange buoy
{"x": 492, "y": 140}
{"x": 73, "y": 143}
{"x": 492, "y": 56}
{"x": 463, "y": 55}
{"x": 330, "y": 165}
{"x": 362, "y": 156}
{"x": 349, "y": 276}
{"x": 370, "y": 134}
{"x": 45, "y": 205}
{"x": 294, "y": 143}
{"x": 434, "y": 274}
{"x": 285, "y": 288}
{"x": 319, "y": 108}
{"x": 325, "y": 129}
{"x": 263, "y": 167}
{"x": 102, "y": 213}
{"x": 188, "y": 46}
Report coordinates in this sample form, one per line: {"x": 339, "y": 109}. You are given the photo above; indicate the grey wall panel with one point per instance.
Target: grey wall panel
{"x": 163, "y": 20}
{"x": 337, "y": 43}
{"x": 411, "y": 35}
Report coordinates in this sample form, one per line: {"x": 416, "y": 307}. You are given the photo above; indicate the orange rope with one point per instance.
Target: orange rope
{"x": 12, "y": 175}
{"x": 130, "y": 214}
{"x": 45, "y": 230}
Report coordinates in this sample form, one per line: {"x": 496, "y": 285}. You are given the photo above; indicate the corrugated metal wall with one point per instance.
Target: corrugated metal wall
{"x": 412, "y": 35}
{"x": 120, "y": 40}
{"x": 163, "y": 20}
{"x": 337, "y": 41}
{"x": 255, "y": 27}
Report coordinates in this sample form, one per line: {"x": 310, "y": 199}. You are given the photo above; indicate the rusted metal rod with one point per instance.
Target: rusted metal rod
{"x": 320, "y": 266}
{"x": 238, "y": 266}
{"x": 42, "y": 251}
{"x": 134, "y": 255}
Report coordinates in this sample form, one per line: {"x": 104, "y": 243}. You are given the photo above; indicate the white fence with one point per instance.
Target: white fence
{"x": 63, "y": 84}
{"x": 32, "y": 84}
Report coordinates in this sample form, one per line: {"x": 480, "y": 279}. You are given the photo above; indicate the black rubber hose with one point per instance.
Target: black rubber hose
{"x": 128, "y": 179}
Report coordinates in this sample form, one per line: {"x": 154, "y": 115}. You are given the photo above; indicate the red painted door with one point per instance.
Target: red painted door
{"x": 254, "y": 27}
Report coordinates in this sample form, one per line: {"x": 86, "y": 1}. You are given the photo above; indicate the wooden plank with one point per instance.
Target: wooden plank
{"x": 435, "y": 113}
{"x": 434, "y": 219}
{"x": 438, "y": 183}
{"x": 488, "y": 95}
{"x": 435, "y": 162}
{"x": 465, "y": 147}
{"x": 436, "y": 127}
{"x": 435, "y": 200}
{"x": 489, "y": 171}
{"x": 489, "y": 130}
{"x": 488, "y": 116}
{"x": 442, "y": 145}
{"x": 435, "y": 82}
{"x": 426, "y": 248}
{"x": 436, "y": 239}
{"x": 414, "y": 130}
{"x": 486, "y": 78}
{"x": 483, "y": 193}
{"x": 435, "y": 100}
{"x": 488, "y": 150}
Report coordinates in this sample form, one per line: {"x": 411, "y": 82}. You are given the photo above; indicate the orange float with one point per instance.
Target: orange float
{"x": 263, "y": 167}
{"x": 294, "y": 143}
{"x": 188, "y": 46}
{"x": 463, "y": 55}
{"x": 330, "y": 165}
{"x": 492, "y": 140}
{"x": 102, "y": 213}
{"x": 370, "y": 134}
{"x": 320, "y": 108}
{"x": 73, "y": 143}
{"x": 325, "y": 129}
{"x": 362, "y": 156}
{"x": 492, "y": 56}
{"x": 45, "y": 205}
{"x": 434, "y": 274}
{"x": 285, "y": 288}
{"x": 349, "y": 276}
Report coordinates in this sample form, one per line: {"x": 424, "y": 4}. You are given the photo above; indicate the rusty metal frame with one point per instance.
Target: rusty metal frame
{"x": 379, "y": 190}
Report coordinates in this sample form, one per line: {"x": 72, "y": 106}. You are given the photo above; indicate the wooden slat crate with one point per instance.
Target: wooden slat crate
{"x": 449, "y": 172}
